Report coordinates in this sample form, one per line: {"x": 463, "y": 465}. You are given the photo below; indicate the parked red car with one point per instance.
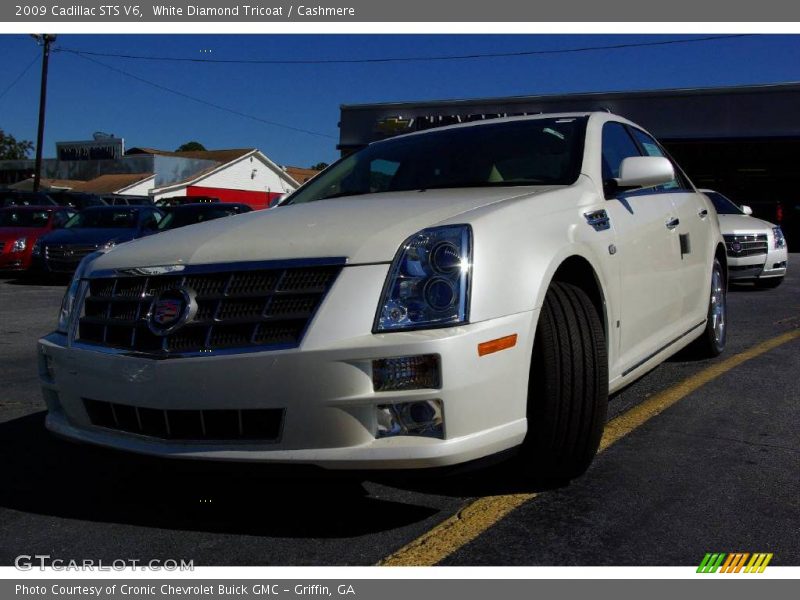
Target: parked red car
{"x": 21, "y": 226}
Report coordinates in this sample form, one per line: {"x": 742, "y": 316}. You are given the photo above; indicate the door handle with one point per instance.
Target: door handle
{"x": 673, "y": 223}
{"x": 703, "y": 213}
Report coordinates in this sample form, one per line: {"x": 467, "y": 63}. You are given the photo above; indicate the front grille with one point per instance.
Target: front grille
{"x": 243, "y": 309}
{"x": 750, "y": 244}
{"x": 65, "y": 257}
{"x": 261, "y": 424}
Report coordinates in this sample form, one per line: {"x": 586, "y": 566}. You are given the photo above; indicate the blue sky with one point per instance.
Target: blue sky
{"x": 84, "y": 97}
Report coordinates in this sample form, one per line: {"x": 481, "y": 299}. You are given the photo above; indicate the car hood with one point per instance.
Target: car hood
{"x": 89, "y": 236}
{"x": 739, "y": 224}
{"x": 362, "y": 229}
{"x": 14, "y": 233}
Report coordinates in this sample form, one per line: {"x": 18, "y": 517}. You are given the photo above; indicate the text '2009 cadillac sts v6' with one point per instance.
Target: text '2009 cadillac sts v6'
{"x": 432, "y": 299}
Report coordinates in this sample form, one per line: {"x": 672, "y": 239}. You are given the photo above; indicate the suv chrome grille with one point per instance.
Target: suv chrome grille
{"x": 750, "y": 244}
{"x": 65, "y": 256}
{"x": 245, "y": 309}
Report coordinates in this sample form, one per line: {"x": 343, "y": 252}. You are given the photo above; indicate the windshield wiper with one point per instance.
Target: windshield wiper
{"x": 343, "y": 194}
{"x": 479, "y": 184}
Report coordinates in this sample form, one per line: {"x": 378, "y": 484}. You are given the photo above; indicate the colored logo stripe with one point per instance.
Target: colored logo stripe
{"x": 733, "y": 563}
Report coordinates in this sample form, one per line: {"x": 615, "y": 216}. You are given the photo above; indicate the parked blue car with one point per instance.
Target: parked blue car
{"x": 97, "y": 227}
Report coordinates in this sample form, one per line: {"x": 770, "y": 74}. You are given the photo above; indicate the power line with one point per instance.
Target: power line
{"x": 20, "y": 76}
{"x": 205, "y": 102}
{"x": 86, "y": 53}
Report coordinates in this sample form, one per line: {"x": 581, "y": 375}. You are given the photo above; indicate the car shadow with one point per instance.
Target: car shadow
{"x": 45, "y": 475}
{"x": 505, "y": 474}
{"x": 746, "y": 287}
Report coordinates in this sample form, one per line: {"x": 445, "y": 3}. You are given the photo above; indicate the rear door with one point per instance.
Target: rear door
{"x": 649, "y": 256}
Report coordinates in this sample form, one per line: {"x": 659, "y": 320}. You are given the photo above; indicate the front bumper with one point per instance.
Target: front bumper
{"x": 325, "y": 389}
{"x": 773, "y": 264}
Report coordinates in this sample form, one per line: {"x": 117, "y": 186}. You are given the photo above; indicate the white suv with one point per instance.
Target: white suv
{"x": 757, "y": 250}
{"x": 432, "y": 299}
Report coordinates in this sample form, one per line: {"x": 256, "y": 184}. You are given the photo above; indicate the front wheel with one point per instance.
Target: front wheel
{"x": 715, "y": 335}
{"x": 568, "y": 387}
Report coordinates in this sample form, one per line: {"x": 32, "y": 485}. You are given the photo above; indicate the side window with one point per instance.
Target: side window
{"x": 652, "y": 148}
{"x": 617, "y": 146}
{"x": 381, "y": 172}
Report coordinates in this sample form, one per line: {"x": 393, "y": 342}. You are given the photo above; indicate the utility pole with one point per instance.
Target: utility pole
{"x": 45, "y": 39}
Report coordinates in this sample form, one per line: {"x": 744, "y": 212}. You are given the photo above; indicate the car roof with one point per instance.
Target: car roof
{"x": 208, "y": 205}
{"x": 560, "y": 115}
{"x": 35, "y": 207}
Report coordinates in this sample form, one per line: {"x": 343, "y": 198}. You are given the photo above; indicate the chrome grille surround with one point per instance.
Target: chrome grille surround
{"x": 241, "y": 307}
{"x": 746, "y": 244}
{"x": 65, "y": 257}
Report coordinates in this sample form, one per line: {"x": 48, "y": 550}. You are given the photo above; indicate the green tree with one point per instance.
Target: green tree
{"x": 320, "y": 166}
{"x": 191, "y": 147}
{"x": 13, "y": 149}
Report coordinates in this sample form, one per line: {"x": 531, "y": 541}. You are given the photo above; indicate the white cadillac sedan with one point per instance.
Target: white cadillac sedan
{"x": 430, "y": 300}
{"x": 757, "y": 250}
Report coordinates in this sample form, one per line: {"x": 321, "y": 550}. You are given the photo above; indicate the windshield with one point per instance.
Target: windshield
{"x": 723, "y": 205}
{"x": 104, "y": 219}
{"x": 180, "y": 217}
{"x": 24, "y": 218}
{"x": 530, "y": 152}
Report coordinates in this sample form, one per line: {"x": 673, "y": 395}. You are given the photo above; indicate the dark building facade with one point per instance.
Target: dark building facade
{"x": 742, "y": 141}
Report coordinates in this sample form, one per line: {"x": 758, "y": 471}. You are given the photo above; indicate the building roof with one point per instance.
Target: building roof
{"x": 46, "y": 184}
{"x": 221, "y": 156}
{"x": 200, "y": 175}
{"x": 299, "y": 174}
{"x": 108, "y": 184}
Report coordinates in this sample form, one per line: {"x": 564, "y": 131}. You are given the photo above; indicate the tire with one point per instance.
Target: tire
{"x": 568, "y": 386}
{"x": 769, "y": 283}
{"x": 715, "y": 335}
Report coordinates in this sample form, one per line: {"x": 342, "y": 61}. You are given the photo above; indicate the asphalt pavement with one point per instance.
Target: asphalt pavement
{"x": 717, "y": 471}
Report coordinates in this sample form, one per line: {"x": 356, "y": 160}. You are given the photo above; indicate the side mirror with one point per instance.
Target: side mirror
{"x": 645, "y": 172}
{"x": 747, "y": 210}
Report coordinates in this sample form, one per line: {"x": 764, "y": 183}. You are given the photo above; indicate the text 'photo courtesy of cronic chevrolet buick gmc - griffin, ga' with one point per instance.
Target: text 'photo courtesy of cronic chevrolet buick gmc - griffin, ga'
{"x": 430, "y": 300}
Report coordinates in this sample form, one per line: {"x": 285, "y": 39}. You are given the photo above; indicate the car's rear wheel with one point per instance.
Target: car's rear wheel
{"x": 715, "y": 335}
{"x": 568, "y": 387}
{"x": 769, "y": 283}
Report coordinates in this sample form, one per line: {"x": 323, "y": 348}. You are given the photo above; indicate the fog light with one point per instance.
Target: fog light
{"x": 46, "y": 370}
{"x": 422, "y": 418}
{"x": 406, "y": 373}
{"x": 52, "y": 400}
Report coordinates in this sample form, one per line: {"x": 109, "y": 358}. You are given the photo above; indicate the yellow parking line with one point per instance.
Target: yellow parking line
{"x": 463, "y": 527}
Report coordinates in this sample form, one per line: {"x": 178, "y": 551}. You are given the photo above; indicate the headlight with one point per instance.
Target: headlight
{"x": 429, "y": 281}
{"x": 780, "y": 241}
{"x": 109, "y": 245}
{"x": 19, "y": 245}
{"x": 68, "y": 303}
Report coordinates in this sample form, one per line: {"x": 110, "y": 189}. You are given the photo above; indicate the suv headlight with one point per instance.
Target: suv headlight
{"x": 429, "y": 281}
{"x": 19, "y": 245}
{"x": 68, "y": 303}
{"x": 780, "y": 241}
